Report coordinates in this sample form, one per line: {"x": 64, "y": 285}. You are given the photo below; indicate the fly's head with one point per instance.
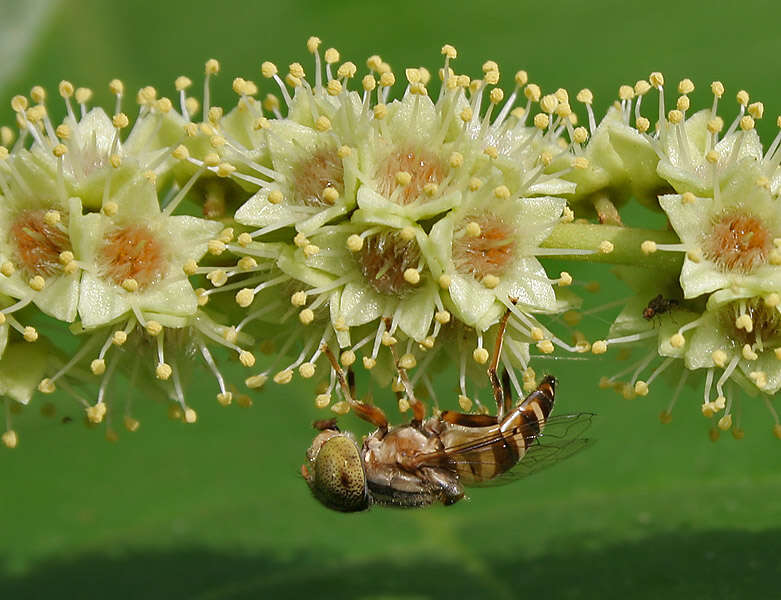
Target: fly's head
{"x": 334, "y": 471}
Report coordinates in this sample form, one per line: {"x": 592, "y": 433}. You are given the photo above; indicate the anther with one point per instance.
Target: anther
{"x": 153, "y": 328}
{"x": 502, "y": 192}
{"x": 480, "y": 355}
{"x": 412, "y": 276}
{"x": 719, "y": 358}
{"x": 585, "y": 96}
{"x": 756, "y": 110}
{"x": 648, "y": 247}
{"x": 541, "y": 121}
{"x": 717, "y": 88}
{"x": 246, "y": 358}
{"x": 490, "y": 281}
{"x": 255, "y": 381}
{"x": 387, "y": 339}
{"x": 96, "y": 412}
{"x": 37, "y": 283}
{"x": 163, "y": 371}
{"x": 407, "y": 233}
{"x": 442, "y": 317}
{"x": 685, "y": 86}
{"x": 283, "y": 377}
{"x": 347, "y": 358}
{"x": 66, "y": 89}
{"x": 110, "y": 208}
{"x": 46, "y": 386}
{"x": 744, "y": 322}
{"x": 675, "y": 116}
{"x": 580, "y": 162}
{"x": 403, "y": 178}
{"x": 307, "y": 370}
{"x": 298, "y": 298}
{"x": 244, "y": 297}
{"x": 216, "y": 247}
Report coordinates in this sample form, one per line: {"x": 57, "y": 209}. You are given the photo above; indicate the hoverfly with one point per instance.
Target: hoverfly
{"x": 430, "y": 460}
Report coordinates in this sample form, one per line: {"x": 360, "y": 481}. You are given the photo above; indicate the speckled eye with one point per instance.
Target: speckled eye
{"x": 339, "y": 481}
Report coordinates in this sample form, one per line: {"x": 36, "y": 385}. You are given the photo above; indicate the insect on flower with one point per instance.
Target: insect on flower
{"x": 659, "y": 305}
{"x": 430, "y": 461}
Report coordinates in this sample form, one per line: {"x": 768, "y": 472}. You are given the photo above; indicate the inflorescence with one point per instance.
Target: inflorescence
{"x": 397, "y": 228}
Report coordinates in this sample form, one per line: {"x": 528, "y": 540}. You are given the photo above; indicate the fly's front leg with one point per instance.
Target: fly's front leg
{"x": 367, "y": 412}
{"x": 503, "y": 402}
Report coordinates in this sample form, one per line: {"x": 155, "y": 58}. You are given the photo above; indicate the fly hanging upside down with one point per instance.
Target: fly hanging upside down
{"x": 430, "y": 460}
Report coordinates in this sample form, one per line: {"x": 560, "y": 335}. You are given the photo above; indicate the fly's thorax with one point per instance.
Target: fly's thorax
{"x": 335, "y": 472}
{"x": 396, "y": 477}
{"x": 399, "y": 446}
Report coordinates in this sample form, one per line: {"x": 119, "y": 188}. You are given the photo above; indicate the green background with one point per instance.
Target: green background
{"x": 218, "y": 510}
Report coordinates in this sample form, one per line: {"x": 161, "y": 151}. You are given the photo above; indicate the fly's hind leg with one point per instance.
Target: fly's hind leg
{"x": 457, "y": 418}
{"x": 367, "y": 412}
{"x": 502, "y": 398}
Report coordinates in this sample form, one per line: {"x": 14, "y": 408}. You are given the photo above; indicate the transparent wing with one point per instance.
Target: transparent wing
{"x": 540, "y": 455}
{"x": 561, "y": 437}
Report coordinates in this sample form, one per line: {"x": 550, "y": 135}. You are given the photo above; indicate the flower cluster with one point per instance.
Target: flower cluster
{"x": 722, "y": 318}
{"x": 400, "y": 231}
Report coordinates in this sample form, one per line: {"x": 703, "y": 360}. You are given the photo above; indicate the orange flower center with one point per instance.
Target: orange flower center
{"x": 738, "y": 242}
{"x": 133, "y": 252}
{"x": 37, "y": 244}
{"x": 423, "y": 167}
{"x": 487, "y": 253}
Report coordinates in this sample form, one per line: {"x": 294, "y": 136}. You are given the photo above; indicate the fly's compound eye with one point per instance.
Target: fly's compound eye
{"x": 339, "y": 480}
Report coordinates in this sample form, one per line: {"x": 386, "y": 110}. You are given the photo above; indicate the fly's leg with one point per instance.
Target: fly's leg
{"x": 507, "y": 389}
{"x": 325, "y": 424}
{"x": 418, "y": 410}
{"x": 503, "y": 400}
{"x": 457, "y": 418}
{"x": 367, "y": 412}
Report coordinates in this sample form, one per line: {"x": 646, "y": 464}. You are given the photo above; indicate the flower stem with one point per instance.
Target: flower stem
{"x": 626, "y": 242}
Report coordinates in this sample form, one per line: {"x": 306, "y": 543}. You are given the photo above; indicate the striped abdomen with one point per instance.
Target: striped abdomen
{"x": 480, "y": 454}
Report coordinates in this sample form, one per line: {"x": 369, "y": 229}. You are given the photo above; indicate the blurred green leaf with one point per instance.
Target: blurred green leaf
{"x": 22, "y": 27}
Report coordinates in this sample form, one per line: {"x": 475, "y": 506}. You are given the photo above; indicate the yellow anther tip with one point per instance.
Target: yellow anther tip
{"x": 480, "y": 355}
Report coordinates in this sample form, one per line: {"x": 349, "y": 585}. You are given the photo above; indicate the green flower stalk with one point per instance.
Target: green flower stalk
{"x": 395, "y": 228}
